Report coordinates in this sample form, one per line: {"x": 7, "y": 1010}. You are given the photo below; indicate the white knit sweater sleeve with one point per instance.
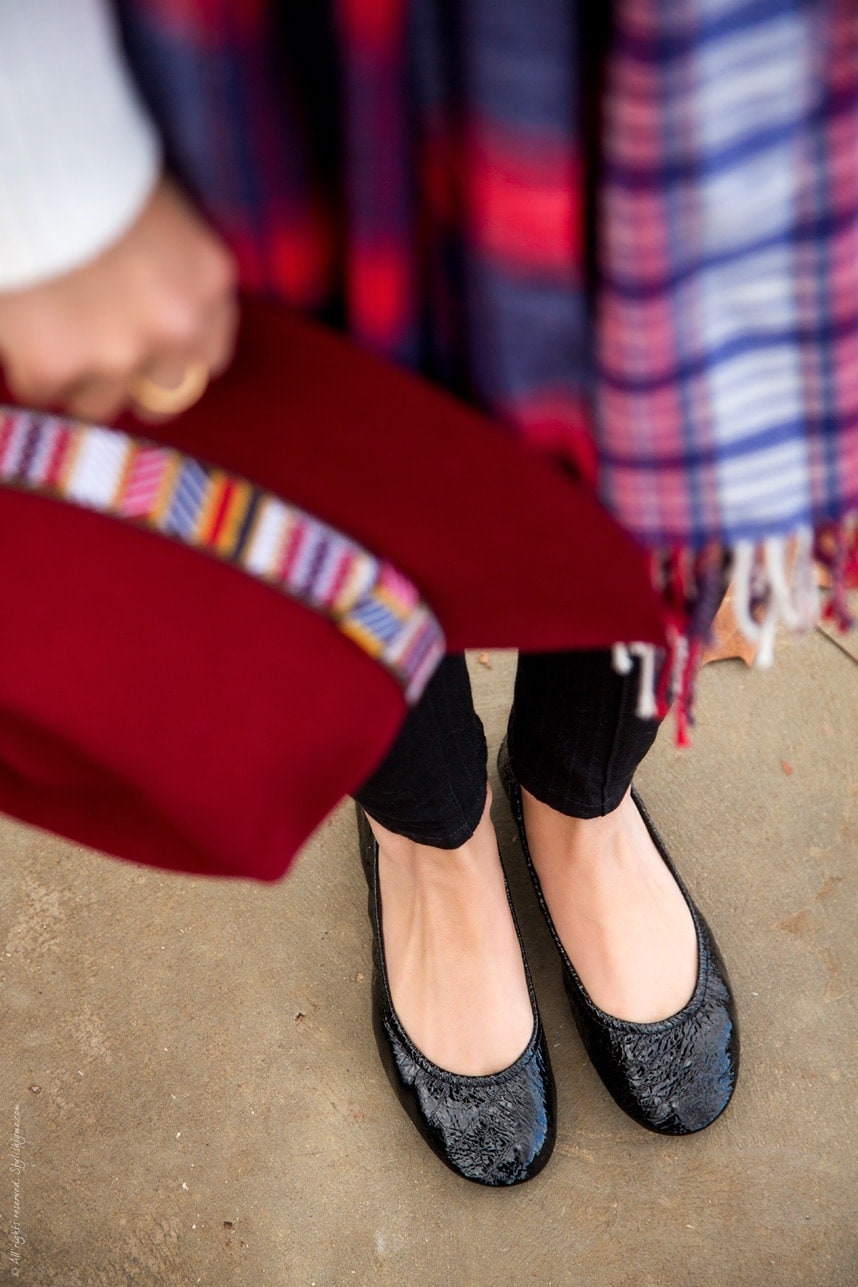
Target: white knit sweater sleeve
{"x": 78, "y": 153}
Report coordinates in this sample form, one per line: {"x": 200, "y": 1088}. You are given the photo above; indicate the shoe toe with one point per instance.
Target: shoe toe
{"x": 496, "y": 1130}
{"x": 677, "y": 1077}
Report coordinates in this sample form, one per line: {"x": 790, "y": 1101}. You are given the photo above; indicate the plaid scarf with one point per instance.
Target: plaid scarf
{"x": 634, "y": 238}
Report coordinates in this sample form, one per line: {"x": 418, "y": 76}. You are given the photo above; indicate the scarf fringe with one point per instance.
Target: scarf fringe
{"x": 775, "y": 585}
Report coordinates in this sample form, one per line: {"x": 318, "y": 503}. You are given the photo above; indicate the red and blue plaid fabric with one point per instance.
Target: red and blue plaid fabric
{"x": 727, "y": 385}
{"x": 420, "y": 171}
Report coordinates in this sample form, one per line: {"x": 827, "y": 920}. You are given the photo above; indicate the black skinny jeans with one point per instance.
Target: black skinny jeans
{"x": 574, "y": 743}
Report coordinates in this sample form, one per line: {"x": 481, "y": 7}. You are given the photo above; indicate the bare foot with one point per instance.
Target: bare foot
{"x": 618, "y": 911}
{"x": 453, "y": 958}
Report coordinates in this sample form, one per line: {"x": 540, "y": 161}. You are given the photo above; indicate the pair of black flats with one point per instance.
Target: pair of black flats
{"x": 675, "y": 1076}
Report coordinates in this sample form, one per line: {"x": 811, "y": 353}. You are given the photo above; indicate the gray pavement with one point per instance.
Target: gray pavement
{"x": 199, "y": 1098}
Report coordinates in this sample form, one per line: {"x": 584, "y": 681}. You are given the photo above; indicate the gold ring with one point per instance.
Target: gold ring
{"x": 169, "y": 402}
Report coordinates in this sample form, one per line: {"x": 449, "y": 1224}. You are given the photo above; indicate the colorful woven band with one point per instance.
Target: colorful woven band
{"x": 226, "y": 516}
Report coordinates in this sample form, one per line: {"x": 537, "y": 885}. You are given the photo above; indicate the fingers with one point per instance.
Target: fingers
{"x": 217, "y": 344}
{"x": 104, "y": 393}
{"x": 97, "y": 400}
{"x": 159, "y": 304}
{"x": 169, "y": 369}
{"x": 106, "y": 388}
{"x": 213, "y": 347}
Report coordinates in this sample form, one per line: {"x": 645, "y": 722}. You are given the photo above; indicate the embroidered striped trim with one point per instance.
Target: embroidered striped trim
{"x": 161, "y": 489}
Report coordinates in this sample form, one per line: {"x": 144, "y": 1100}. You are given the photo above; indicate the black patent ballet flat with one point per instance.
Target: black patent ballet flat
{"x": 497, "y": 1129}
{"x": 674, "y": 1076}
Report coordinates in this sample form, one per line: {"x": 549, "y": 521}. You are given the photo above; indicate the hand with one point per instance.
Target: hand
{"x": 159, "y": 299}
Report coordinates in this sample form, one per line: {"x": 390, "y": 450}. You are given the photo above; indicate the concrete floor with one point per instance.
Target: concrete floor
{"x": 200, "y": 1101}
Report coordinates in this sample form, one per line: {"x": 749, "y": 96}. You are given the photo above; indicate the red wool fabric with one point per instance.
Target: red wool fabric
{"x": 168, "y": 708}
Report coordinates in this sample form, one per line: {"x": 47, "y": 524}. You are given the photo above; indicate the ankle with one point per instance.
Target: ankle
{"x": 580, "y": 842}
{"x": 408, "y": 858}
